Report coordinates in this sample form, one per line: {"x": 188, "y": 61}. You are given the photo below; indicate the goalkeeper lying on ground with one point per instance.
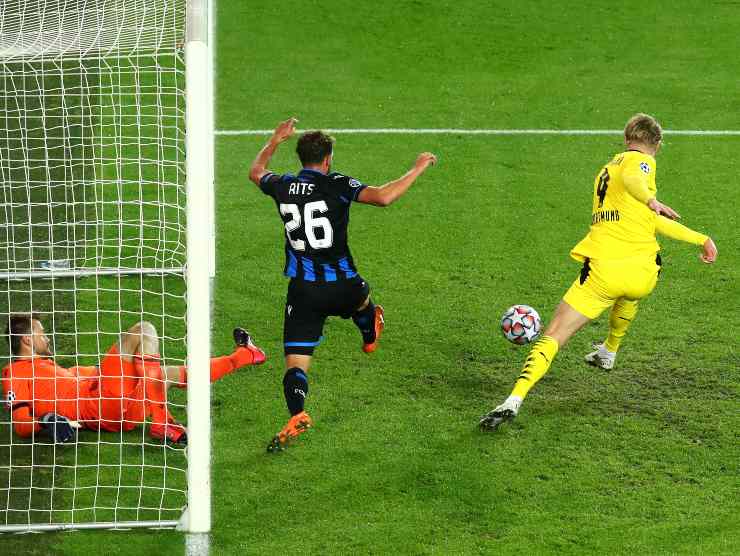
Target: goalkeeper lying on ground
{"x": 130, "y": 385}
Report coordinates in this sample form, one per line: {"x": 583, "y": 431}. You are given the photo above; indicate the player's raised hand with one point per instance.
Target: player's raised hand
{"x": 424, "y": 161}
{"x": 710, "y": 252}
{"x": 284, "y": 130}
{"x": 665, "y": 210}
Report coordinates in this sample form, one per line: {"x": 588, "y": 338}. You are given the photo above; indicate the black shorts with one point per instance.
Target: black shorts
{"x": 309, "y": 303}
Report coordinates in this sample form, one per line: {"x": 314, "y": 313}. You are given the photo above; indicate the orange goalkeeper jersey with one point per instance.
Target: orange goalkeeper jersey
{"x": 34, "y": 387}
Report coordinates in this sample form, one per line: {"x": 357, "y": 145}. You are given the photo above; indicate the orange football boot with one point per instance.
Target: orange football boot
{"x": 172, "y": 432}
{"x": 247, "y": 352}
{"x": 297, "y": 425}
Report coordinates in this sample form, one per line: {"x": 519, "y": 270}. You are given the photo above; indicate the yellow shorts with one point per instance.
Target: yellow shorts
{"x": 602, "y": 282}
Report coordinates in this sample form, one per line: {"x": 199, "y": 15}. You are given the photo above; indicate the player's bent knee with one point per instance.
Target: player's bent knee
{"x": 144, "y": 328}
{"x": 140, "y": 338}
{"x": 298, "y": 360}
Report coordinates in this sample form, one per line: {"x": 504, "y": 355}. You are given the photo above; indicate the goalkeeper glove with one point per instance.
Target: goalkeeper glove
{"x": 57, "y": 427}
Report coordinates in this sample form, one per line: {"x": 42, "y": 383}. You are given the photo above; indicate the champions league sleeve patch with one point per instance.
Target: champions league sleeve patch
{"x": 645, "y": 167}
{"x": 354, "y": 183}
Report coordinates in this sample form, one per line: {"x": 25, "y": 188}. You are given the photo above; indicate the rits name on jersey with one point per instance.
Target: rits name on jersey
{"x": 314, "y": 208}
{"x": 605, "y": 216}
{"x": 300, "y": 188}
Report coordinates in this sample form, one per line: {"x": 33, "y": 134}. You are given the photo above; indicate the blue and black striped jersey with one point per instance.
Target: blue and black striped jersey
{"x": 314, "y": 208}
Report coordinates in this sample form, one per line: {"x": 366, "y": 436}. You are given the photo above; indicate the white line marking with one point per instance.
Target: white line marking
{"x": 445, "y": 131}
{"x": 197, "y": 544}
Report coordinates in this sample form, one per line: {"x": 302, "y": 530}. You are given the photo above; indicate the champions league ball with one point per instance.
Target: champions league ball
{"x": 521, "y": 324}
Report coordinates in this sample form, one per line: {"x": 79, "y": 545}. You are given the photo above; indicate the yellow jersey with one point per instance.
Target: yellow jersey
{"x": 622, "y": 225}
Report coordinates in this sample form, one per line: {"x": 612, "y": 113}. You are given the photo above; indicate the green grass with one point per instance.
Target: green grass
{"x": 395, "y": 457}
{"x": 445, "y": 63}
{"x": 643, "y": 459}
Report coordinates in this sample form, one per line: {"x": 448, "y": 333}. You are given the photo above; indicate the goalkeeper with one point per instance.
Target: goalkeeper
{"x": 620, "y": 260}
{"x": 130, "y": 385}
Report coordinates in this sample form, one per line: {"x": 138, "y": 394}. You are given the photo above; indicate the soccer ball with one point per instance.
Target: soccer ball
{"x": 521, "y": 324}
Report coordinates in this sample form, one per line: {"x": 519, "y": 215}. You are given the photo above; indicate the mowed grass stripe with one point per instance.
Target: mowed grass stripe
{"x": 453, "y": 131}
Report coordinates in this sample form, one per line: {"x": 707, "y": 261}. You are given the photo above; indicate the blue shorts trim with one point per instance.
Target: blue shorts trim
{"x": 304, "y": 344}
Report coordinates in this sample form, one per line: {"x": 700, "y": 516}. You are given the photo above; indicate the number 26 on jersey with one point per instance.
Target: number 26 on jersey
{"x": 310, "y": 222}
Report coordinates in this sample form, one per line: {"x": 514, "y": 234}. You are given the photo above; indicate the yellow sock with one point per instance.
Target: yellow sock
{"x": 538, "y": 361}
{"x": 620, "y": 318}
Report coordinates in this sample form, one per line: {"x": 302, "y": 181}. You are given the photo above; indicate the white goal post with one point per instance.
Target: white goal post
{"x": 106, "y": 220}
{"x": 200, "y": 182}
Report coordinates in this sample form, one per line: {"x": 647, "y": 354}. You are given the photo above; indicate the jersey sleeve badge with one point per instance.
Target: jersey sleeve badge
{"x": 645, "y": 167}
{"x": 9, "y": 399}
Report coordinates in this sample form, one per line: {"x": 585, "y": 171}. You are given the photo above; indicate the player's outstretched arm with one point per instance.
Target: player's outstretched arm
{"x": 282, "y": 132}
{"x": 674, "y": 230}
{"x": 386, "y": 194}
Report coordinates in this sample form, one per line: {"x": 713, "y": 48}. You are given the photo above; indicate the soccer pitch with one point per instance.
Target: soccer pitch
{"x": 642, "y": 459}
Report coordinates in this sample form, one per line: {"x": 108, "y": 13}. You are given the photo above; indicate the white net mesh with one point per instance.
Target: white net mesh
{"x": 92, "y": 234}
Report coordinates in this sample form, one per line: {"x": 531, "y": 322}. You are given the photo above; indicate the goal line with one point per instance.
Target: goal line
{"x": 453, "y": 131}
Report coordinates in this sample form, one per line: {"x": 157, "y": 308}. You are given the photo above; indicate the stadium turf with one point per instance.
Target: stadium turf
{"x": 642, "y": 459}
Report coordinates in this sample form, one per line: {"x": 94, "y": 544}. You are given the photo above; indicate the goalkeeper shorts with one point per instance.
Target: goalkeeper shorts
{"x": 603, "y": 281}
{"x": 122, "y": 405}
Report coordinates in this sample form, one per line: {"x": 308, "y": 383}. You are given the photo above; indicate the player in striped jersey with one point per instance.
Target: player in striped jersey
{"x": 314, "y": 206}
{"x": 620, "y": 260}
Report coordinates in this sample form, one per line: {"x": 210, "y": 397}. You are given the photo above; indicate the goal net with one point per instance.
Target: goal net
{"x": 94, "y": 222}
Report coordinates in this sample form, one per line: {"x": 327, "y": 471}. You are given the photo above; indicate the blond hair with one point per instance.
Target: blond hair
{"x": 643, "y": 128}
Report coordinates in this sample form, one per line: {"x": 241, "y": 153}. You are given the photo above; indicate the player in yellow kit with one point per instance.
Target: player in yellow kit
{"x": 620, "y": 260}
